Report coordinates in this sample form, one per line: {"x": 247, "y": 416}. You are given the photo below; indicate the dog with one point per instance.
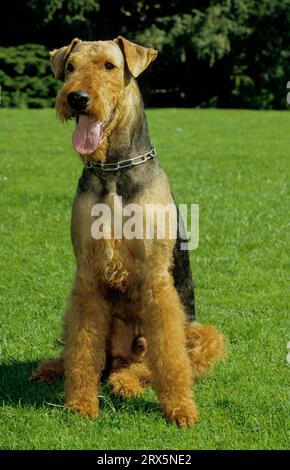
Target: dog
{"x": 131, "y": 317}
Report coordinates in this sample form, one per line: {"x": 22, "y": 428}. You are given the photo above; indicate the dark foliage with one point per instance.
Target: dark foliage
{"x": 226, "y": 53}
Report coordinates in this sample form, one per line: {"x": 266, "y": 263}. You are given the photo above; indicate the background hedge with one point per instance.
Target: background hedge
{"x": 26, "y": 77}
{"x": 226, "y": 53}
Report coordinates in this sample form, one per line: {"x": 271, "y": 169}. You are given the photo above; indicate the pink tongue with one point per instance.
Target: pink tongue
{"x": 87, "y": 135}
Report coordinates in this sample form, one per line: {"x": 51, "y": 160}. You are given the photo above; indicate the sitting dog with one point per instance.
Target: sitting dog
{"x": 131, "y": 316}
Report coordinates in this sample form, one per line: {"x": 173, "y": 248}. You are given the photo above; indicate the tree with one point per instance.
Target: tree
{"x": 230, "y": 53}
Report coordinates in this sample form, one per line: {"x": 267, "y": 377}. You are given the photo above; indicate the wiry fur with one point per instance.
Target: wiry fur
{"x": 132, "y": 302}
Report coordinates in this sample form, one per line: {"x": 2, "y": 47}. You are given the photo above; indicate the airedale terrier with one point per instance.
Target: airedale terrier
{"x": 131, "y": 316}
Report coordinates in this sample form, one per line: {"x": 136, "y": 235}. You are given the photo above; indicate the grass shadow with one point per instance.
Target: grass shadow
{"x": 142, "y": 403}
{"x": 17, "y": 390}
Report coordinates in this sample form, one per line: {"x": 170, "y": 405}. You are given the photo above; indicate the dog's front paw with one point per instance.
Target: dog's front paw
{"x": 86, "y": 409}
{"x": 183, "y": 414}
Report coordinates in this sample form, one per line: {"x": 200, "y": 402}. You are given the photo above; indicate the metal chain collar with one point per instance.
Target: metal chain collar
{"x": 110, "y": 167}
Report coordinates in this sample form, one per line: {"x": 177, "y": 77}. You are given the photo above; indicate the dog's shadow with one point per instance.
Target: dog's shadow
{"x": 16, "y": 389}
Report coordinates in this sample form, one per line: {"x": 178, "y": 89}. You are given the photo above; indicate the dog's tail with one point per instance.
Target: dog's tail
{"x": 206, "y": 345}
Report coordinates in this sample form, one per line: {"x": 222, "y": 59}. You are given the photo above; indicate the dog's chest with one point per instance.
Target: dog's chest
{"x": 119, "y": 252}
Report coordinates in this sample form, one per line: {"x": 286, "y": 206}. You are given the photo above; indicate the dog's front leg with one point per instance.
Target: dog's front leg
{"x": 167, "y": 355}
{"x": 86, "y": 326}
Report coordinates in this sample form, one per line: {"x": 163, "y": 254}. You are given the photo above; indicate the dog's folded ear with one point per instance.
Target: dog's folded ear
{"x": 59, "y": 57}
{"x": 137, "y": 57}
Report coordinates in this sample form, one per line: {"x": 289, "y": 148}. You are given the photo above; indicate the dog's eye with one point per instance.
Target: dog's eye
{"x": 70, "y": 67}
{"x": 109, "y": 66}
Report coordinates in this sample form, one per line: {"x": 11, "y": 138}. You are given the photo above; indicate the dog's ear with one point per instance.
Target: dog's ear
{"x": 137, "y": 57}
{"x": 58, "y": 58}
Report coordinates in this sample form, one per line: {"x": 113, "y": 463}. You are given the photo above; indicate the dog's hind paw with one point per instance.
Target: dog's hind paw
{"x": 125, "y": 384}
{"x": 48, "y": 371}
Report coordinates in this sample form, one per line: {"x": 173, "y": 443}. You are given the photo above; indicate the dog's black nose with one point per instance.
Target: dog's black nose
{"x": 78, "y": 100}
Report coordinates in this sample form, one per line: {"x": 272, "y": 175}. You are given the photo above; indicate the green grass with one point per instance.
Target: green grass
{"x": 234, "y": 164}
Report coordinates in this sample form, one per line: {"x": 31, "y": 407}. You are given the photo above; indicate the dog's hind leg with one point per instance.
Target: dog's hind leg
{"x": 205, "y": 346}
{"x": 129, "y": 373}
{"x": 49, "y": 371}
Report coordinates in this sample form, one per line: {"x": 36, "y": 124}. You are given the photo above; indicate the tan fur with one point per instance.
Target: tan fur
{"x": 58, "y": 58}
{"x": 124, "y": 308}
{"x": 137, "y": 57}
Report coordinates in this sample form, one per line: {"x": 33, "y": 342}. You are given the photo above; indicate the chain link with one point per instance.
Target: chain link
{"x": 130, "y": 163}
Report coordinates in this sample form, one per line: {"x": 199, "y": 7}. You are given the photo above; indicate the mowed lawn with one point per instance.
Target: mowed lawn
{"x": 235, "y": 165}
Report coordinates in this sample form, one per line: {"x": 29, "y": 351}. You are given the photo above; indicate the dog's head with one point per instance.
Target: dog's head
{"x": 95, "y": 76}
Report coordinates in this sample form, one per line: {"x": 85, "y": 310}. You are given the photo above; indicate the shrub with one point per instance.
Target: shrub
{"x": 26, "y": 78}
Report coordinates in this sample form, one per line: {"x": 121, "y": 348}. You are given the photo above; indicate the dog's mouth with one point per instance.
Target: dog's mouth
{"x": 88, "y": 134}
